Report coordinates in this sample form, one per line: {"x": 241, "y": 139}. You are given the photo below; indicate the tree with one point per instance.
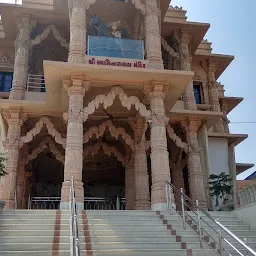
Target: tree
{"x": 2, "y": 166}
{"x": 220, "y": 186}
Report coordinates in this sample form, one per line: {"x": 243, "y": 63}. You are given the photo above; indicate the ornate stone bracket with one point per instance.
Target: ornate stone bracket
{"x": 38, "y": 127}
{"x": 176, "y": 139}
{"x": 108, "y": 150}
{"x": 108, "y": 100}
{"x": 114, "y": 131}
{"x": 51, "y": 145}
{"x": 51, "y": 28}
{"x": 169, "y": 49}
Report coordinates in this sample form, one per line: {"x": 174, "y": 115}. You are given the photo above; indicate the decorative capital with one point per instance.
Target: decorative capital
{"x": 76, "y": 83}
{"x": 191, "y": 125}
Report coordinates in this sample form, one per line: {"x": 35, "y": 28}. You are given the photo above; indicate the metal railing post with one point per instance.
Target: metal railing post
{"x": 220, "y": 242}
{"x": 29, "y": 202}
{"x": 245, "y": 241}
{"x": 183, "y": 208}
{"x": 117, "y": 202}
{"x": 199, "y": 223}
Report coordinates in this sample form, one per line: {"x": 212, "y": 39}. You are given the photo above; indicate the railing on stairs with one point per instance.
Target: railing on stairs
{"x": 196, "y": 215}
{"x": 74, "y": 237}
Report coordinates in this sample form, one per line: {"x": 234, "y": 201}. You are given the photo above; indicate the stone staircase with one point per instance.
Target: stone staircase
{"x": 110, "y": 233}
{"x": 34, "y": 233}
{"x": 134, "y": 233}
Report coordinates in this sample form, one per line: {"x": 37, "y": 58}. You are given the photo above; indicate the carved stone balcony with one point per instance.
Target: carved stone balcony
{"x": 247, "y": 195}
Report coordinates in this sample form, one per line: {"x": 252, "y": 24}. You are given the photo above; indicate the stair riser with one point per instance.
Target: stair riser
{"x": 31, "y": 233}
{"x": 138, "y": 246}
{"x": 140, "y": 239}
{"x": 32, "y": 247}
{"x": 32, "y": 227}
{"x": 32, "y": 221}
{"x": 33, "y": 239}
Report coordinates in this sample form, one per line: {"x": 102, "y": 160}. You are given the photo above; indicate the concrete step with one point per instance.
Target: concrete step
{"x": 27, "y": 227}
{"x": 120, "y": 213}
{"x": 230, "y": 227}
{"x": 32, "y": 239}
{"x": 124, "y": 239}
{"x": 31, "y": 221}
{"x": 31, "y": 246}
{"x": 32, "y": 253}
{"x": 176, "y": 252}
{"x": 31, "y": 232}
{"x": 126, "y": 233}
{"x": 139, "y": 227}
{"x": 140, "y": 245}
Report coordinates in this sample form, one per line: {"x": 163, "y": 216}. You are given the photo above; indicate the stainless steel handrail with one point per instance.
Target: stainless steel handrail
{"x": 199, "y": 220}
{"x": 74, "y": 238}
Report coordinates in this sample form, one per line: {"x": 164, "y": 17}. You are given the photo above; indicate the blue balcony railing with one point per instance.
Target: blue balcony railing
{"x": 115, "y": 47}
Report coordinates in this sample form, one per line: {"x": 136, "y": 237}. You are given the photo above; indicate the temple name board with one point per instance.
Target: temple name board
{"x": 117, "y": 62}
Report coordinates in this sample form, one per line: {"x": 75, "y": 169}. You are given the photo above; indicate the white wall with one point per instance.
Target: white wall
{"x": 218, "y": 155}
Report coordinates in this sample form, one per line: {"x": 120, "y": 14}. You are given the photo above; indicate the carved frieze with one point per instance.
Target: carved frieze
{"x": 108, "y": 100}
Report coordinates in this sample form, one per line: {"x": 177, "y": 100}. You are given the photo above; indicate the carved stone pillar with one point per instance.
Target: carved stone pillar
{"x": 195, "y": 174}
{"x": 12, "y": 148}
{"x": 159, "y": 154}
{"x": 214, "y": 95}
{"x": 188, "y": 95}
{"x": 21, "y": 179}
{"x": 129, "y": 183}
{"x": 21, "y": 63}
{"x": 74, "y": 145}
{"x": 142, "y": 201}
{"x": 153, "y": 35}
{"x": 176, "y": 168}
{"x": 77, "y": 47}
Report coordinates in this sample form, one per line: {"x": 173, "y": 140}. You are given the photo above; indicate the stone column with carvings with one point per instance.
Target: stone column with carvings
{"x": 21, "y": 63}
{"x": 159, "y": 155}
{"x": 195, "y": 174}
{"x": 77, "y": 47}
{"x": 153, "y": 35}
{"x": 176, "y": 165}
{"x": 129, "y": 183}
{"x": 74, "y": 145}
{"x": 12, "y": 148}
{"x": 21, "y": 178}
{"x": 214, "y": 95}
{"x": 142, "y": 201}
{"x": 184, "y": 38}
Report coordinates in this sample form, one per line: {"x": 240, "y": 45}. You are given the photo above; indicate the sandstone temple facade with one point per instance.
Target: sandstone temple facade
{"x": 120, "y": 95}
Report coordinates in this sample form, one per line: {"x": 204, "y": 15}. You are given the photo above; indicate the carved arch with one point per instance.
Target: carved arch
{"x": 108, "y": 100}
{"x": 51, "y": 145}
{"x": 108, "y": 150}
{"x": 50, "y": 28}
{"x": 176, "y": 139}
{"x": 38, "y": 127}
{"x": 114, "y": 131}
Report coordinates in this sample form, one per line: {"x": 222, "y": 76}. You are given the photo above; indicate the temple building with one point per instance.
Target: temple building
{"x": 120, "y": 95}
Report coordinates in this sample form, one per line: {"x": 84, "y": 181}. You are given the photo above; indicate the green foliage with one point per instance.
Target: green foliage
{"x": 2, "y": 166}
{"x": 220, "y": 186}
